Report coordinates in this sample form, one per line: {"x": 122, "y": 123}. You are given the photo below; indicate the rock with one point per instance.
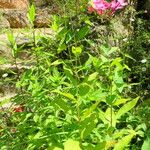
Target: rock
{"x": 4, "y": 23}
{"x": 39, "y": 3}
{"x": 16, "y": 18}
{"x": 15, "y": 13}
{"x": 43, "y": 17}
{"x": 14, "y": 4}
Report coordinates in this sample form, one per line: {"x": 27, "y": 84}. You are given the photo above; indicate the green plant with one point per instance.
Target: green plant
{"x": 74, "y": 94}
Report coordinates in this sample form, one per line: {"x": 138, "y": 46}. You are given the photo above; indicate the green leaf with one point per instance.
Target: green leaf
{"x": 110, "y": 117}
{"x": 127, "y": 67}
{"x": 102, "y": 116}
{"x": 72, "y": 145}
{"x": 93, "y": 76}
{"x": 38, "y": 135}
{"x": 89, "y": 110}
{"x": 62, "y": 104}
{"x": 87, "y": 125}
{"x": 112, "y": 50}
{"x": 36, "y": 118}
{"x": 82, "y": 32}
{"x": 57, "y": 62}
{"x": 67, "y": 95}
{"x": 61, "y": 47}
{"x": 105, "y": 49}
{"x": 84, "y": 88}
{"x": 110, "y": 99}
{"x": 117, "y": 62}
{"x": 123, "y": 142}
{"x": 128, "y": 56}
{"x": 100, "y": 146}
{"x": 104, "y": 59}
{"x": 120, "y": 101}
{"x": 96, "y": 62}
{"x": 146, "y": 144}
{"x": 77, "y": 50}
{"x": 55, "y": 25}
{"x": 127, "y": 107}
{"x": 13, "y": 44}
{"x": 31, "y": 14}
{"x": 70, "y": 75}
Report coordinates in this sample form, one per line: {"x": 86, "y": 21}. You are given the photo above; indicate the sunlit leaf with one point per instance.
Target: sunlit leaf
{"x": 77, "y": 50}
{"x": 100, "y": 146}
{"x": 123, "y": 142}
{"x": 72, "y": 145}
{"x": 31, "y": 14}
{"x": 57, "y": 62}
{"x": 127, "y": 107}
{"x": 93, "y": 76}
{"x": 120, "y": 101}
{"x": 146, "y": 144}
{"x": 88, "y": 125}
{"x": 89, "y": 111}
{"x": 67, "y": 95}
{"x": 110, "y": 117}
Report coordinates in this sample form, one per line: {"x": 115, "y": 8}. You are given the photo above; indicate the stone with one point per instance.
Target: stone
{"x": 39, "y": 3}
{"x": 43, "y": 17}
{"x": 14, "y": 4}
{"x": 4, "y": 23}
{"x": 16, "y": 18}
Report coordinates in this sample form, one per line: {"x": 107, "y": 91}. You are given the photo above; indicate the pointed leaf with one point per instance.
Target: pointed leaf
{"x": 67, "y": 95}
{"x": 92, "y": 76}
{"x": 123, "y": 142}
{"x": 127, "y": 107}
{"x": 31, "y": 14}
{"x": 120, "y": 101}
{"x": 90, "y": 110}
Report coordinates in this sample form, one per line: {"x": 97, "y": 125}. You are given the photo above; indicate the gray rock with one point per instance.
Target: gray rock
{"x": 4, "y": 23}
{"x": 16, "y": 18}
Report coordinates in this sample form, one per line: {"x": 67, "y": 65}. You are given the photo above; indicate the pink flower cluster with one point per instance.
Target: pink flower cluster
{"x": 102, "y": 6}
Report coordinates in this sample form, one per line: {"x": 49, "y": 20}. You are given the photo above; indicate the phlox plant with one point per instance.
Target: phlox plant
{"x": 103, "y": 6}
{"x": 73, "y": 97}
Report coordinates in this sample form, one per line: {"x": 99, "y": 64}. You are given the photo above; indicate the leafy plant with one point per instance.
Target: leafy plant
{"x": 74, "y": 96}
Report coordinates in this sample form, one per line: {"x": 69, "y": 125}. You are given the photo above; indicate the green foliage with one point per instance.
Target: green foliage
{"x": 137, "y": 46}
{"x": 74, "y": 96}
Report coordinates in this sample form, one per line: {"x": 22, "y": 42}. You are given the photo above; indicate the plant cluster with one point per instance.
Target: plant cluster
{"x": 74, "y": 96}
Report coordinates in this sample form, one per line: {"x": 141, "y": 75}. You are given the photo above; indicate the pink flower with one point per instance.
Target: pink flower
{"x": 101, "y": 5}
{"x": 122, "y": 2}
{"x": 117, "y": 4}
